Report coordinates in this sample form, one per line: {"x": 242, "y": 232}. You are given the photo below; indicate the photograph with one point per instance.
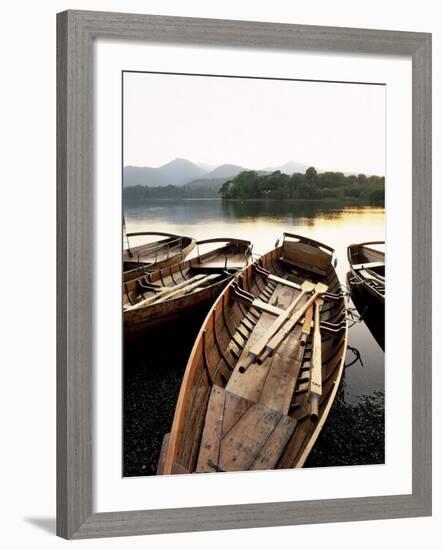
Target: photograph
{"x": 253, "y": 273}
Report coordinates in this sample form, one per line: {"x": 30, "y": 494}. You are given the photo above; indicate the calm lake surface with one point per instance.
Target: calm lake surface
{"x": 263, "y": 222}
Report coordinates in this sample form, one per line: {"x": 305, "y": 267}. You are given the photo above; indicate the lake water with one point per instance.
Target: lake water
{"x": 263, "y": 222}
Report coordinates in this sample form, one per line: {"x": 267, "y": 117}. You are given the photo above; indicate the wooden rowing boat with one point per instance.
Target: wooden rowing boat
{"x": 156, "y": 254}
{"x": 270, "y": 415}
{"x": 366, "y": 282}
{"x": 173, "y": 292}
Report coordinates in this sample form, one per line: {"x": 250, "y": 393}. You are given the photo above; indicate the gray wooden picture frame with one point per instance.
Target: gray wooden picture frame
{"x": 76, "y": 32}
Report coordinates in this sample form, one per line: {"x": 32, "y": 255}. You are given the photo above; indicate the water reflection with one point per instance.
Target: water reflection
{"x": 203, "y": 210}
{"x": 290, "y": 211}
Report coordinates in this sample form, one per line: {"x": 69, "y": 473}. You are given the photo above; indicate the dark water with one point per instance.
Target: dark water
{"x": 354, "y": 432}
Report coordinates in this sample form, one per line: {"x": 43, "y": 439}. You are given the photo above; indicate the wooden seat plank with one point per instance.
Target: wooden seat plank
{"x": 271, "y": 451}
{"x": 235, "y": 408}
{"x": 242, "y": 444}
{"x": 234, "y": 261}
{"x": 212, "y": 431}
{"x": 266, "y": 308}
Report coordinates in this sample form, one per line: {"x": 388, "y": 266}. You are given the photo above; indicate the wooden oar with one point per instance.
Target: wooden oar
{"x": 315, "y": 382}
{"x": 186, "y": 289}
{"x": 284, "y": 331}
{"x": 259, "y": 346}
{"x": 166, "y": 292}
{"x": 280, "y": 336}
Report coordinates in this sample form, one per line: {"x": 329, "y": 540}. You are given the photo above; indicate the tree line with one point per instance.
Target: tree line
{"x": 311, "y": 185}
{"x": 136, "y": 193}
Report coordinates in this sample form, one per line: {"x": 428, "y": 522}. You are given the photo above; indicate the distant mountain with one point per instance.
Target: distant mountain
{"x": 290, "y": 168}
{"x": 176, "y": 172}
{"x": 207, "y": 184}
{"x": 225, "y": 171}
{"x": 181, "y": 172}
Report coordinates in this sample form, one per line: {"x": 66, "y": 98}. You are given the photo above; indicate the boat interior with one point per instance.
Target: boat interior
{"x": 229, "y": 418}
{"x": 207, "y": 268}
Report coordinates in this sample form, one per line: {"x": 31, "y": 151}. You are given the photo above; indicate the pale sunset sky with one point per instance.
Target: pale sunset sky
{"x": 254, "y": 123}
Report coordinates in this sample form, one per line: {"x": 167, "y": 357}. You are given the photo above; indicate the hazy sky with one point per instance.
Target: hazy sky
{"x": 253, "y": 123}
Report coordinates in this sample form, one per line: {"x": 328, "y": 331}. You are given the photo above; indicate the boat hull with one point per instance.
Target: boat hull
{"x": 370, "y": 306}
{"x": 138, "y": 323}
{"x": 157, "y": 255}
{"x": 366, "y": 283}
{"x": 224, "y": 261}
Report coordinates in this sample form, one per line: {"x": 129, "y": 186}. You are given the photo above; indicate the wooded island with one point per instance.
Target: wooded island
{"x": 311, "y": 185}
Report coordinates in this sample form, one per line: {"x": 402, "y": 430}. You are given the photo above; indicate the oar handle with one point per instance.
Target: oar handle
{"x": 262, "y": 358}
{"x": 313, "y": 415}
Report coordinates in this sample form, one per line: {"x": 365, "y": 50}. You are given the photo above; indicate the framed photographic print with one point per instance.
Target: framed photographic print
{"x": 236, "y": 203}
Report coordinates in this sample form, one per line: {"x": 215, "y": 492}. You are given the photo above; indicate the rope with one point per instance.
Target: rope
{"x": 356, "y": 358}
{"x": 353, "y": 316}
